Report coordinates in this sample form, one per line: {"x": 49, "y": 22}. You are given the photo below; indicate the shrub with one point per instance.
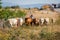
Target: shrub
{"x": 6, "y": 13}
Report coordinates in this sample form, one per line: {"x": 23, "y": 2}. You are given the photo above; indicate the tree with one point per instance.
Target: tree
{"x": 5, "y": 14}
{"x": 59, "y": 5}
{"x": 15, "y": 6}
{"x": 0, "y": 4}
{"x": 7, "y": 7}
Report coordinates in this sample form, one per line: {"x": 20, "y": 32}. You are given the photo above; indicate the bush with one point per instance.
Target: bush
{"x": 6, "y": 13}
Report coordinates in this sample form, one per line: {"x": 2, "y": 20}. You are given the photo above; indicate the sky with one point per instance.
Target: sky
{"x": 28, "y": 2}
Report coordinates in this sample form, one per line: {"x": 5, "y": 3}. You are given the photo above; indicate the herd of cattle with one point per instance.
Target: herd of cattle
{"x": 15, "y": 22}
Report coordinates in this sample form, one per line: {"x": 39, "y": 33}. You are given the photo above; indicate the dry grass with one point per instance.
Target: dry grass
{"x": 30, "y": 32}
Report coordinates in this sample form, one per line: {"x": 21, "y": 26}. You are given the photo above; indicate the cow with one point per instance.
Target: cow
{"x": 37, "y": 22}
{"x": 46, "y": 21}
{"x": 15, "y": 22}
{"x": 20, "y": 22}
{"x": 41, "y": 21}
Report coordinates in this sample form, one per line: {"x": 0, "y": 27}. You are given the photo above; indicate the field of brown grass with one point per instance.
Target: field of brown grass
{"x": 31, "y": 33}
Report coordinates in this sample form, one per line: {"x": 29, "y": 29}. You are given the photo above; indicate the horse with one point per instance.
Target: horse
{"x": 28, "y": 21}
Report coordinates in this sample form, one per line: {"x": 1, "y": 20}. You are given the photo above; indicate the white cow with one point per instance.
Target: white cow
{"x": 21, "y": 21}
{"x": 42, "y": 21}
{"x": 47, "y": 20}
{"x": 13, "y": 22}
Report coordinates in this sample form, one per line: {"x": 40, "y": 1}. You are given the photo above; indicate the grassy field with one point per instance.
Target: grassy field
{"x": 51, "y": 32}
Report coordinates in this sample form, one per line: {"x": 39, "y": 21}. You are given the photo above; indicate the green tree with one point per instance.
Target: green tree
{"x": 15, "y": 6}
{"x": 0, "y": 4}
{"x": 7, "y": 7}
{"x": 6, "y": 13}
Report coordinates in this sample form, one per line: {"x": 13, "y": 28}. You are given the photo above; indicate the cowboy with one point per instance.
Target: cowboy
{"x": 31, "y": 16}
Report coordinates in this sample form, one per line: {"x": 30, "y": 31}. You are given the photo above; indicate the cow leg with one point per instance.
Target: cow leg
{"x": 11, "y": 24}
{"x": 21, "y": 24}
{"x": 16, "y": 25}
{"x": 31, "y": 24}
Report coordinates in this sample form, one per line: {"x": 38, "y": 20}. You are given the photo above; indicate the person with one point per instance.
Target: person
{"x": 31, "y": 16}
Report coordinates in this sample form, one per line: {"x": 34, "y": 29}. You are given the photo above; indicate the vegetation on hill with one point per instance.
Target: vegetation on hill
{"x": 13, "y": 7}
{"x": 6, "y": 13}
